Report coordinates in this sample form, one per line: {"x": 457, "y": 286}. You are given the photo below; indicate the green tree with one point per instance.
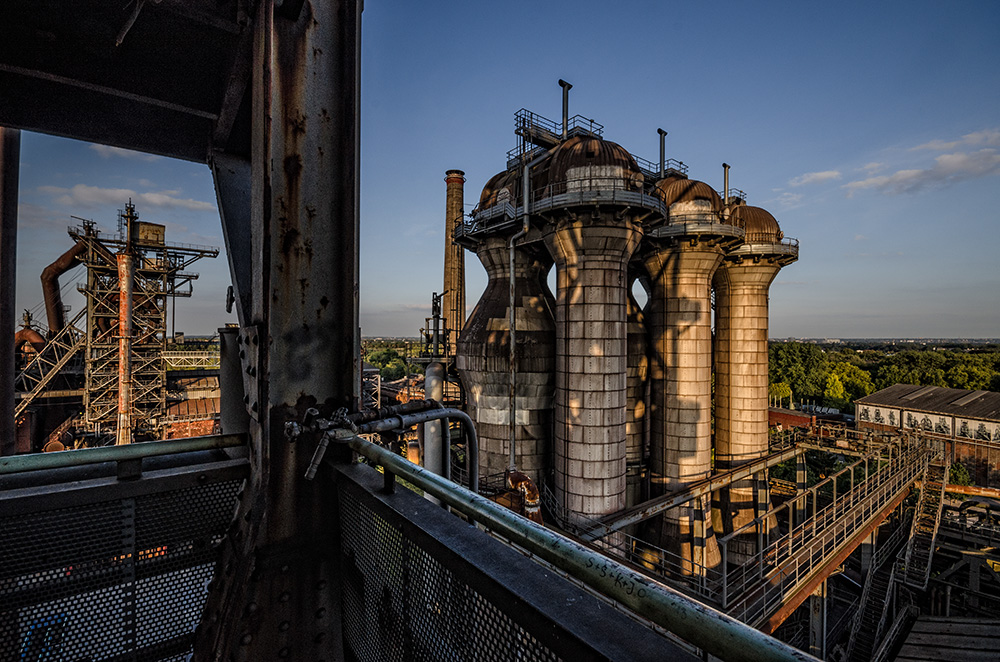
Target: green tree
{"x": 856, "y": 381}
{"x": 835, "y": 395}
{"x": 802, "y": 366}
{"x": 779, "y": 391}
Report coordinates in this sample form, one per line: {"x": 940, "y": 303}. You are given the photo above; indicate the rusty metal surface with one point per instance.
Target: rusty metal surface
{"x": 125, "y": 281}
{"x": 760, "y": 225}
{"x": 277, "y": 594}
{"x": 673, "y": 190}
{"x": 10, "y": 157}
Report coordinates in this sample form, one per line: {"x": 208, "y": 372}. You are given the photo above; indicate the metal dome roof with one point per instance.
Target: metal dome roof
{"x": 760, "y": 225}
{"x": 506, "y": 179}
{"x": 675, "y": 189}
{"x": 580, "y": 151}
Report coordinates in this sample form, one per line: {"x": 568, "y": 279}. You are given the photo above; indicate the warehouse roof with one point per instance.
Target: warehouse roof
{"x": 938, "y": 400}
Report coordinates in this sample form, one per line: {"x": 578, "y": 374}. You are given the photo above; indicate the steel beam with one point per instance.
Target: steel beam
{"x": 653, "y": 507}
{"x": 10, "y": 156}
{"x": 279, "y": 561}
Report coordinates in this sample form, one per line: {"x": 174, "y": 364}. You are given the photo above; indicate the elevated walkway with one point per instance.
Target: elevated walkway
{"x": 111, "y": 550}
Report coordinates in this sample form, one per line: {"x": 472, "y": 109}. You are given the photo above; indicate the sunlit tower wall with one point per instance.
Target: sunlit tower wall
{"x": 591, "y": 234}
{"x": 483, "y": 358}
{"x": 741, "y": 367}
{"x": 680, "y": 258}
{"x": 453, "y": 301}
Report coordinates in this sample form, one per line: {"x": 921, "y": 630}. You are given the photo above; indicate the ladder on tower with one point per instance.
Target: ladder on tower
{"x": 926, "y": 520}
{"x": 43, "y": 368}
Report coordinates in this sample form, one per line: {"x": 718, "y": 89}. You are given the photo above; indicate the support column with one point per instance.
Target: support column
{"x": 276, "y": 593}
{"x": 636, "y": 418}
{"x": 591, "y": 312}
{"x": 817, "y": 622}
{"x": 680, "y": 325}
{"x": 10, "y": 157}
{"x": 741, "y": 403}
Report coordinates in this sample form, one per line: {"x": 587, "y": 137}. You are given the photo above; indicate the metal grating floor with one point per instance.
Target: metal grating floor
{"x": 122, "y": 578}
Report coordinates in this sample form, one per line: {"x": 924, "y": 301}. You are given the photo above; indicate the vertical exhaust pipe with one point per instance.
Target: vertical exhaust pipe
{"x": 566, "y": 87}
{"x": 663, "y": 152}
{"x": 725, "y": 190}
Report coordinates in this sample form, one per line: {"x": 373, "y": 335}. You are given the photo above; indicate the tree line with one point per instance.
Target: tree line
{"x": 837, "y": 375}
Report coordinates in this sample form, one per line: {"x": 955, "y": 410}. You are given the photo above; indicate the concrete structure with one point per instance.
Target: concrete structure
{"x": 483, "y": 360}
{"x": 453, "y": 302}
{"x": 629, "y": 382}
{"x": 592, "y": 247}
{"x": 680, "y": 263}
{"x": 741, "y": 360}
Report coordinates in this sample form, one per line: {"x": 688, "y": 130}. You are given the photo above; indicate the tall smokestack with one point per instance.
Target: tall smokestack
{"x": 126, "y": 275}
{"x": 453, "y": 303}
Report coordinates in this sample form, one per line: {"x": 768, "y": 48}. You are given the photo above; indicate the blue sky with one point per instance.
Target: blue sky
{"x": 870, "y": 130}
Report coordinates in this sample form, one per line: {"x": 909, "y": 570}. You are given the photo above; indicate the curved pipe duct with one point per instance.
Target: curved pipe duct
{"x": 50, "y": 286}
{"x": 29, "y": 336}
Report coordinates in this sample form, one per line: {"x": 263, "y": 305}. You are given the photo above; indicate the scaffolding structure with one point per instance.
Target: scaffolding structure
{"x": 130, "y": 276}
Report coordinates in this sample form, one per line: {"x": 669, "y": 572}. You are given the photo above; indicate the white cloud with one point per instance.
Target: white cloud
{"x": 83, "y": 196}
{"x": 947, "y": 169}
{"x": 986, "y": 137}
{"x": 814, "y": 178}
{"x": 873, "y": 167}
{"x": 789, "y": 200}
{"x": 106, "y": 152}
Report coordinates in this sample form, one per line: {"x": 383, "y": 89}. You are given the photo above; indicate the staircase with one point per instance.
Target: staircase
{"x": 42, "y": 369}
{"x": 926, "y": 520}
{"x": 874, "y": 606}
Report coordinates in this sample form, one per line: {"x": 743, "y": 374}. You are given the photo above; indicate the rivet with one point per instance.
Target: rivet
{"x": 284, "y": 568}
{"x": 283, "y": 626}
{"x": 283, "y": 652}
{"x": 321, "y": 612}
{"x": 252, "y": 607}
{"x": 246, "y": 640}
{"x": 285, "y": 596}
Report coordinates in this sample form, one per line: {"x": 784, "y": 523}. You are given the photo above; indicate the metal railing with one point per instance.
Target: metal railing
{"x": 710, "y": 630}
{"x": 757, "y": 589}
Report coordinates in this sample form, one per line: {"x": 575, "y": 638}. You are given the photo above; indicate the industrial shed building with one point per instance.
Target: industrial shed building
{"x": 968, "y": 421}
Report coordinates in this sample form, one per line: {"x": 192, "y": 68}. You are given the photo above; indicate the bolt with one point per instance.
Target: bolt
{"x": 245, "y": 641}
{"x": 283, "y": 626}
{"x": 320, "y": 613}
{"x": 285, "y": 597}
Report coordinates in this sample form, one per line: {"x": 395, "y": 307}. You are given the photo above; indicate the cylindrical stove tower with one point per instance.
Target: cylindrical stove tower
{"x": 741, "y": 362}
{"x": 636, "y": 380}
{"x": 483, "y": 359}
{"x": 680, "y": 259}
{"x": 591, "y": 235}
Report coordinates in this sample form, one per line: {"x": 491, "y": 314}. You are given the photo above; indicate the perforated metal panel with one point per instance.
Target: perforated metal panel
{"x": 121, "y": 578}
{"x": 400, "y": 603}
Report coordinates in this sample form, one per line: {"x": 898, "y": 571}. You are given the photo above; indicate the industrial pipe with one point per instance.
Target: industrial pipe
{"x": 566, "y": 87}
{"x": 50, "y": 286}
{"x": 663, "y": 152}
{"x": 725, "y": 190}
{"x": 27, "y": 335}
{"x": 86, "y": 456}
{"x": 709, "y": 629}
{"x": 403, "y": 421}
{"x": 434, "y": 449}
{"x": 125, "y": 277}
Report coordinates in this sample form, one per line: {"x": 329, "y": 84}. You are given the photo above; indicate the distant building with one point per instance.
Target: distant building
{"x": 969, "y": 422}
